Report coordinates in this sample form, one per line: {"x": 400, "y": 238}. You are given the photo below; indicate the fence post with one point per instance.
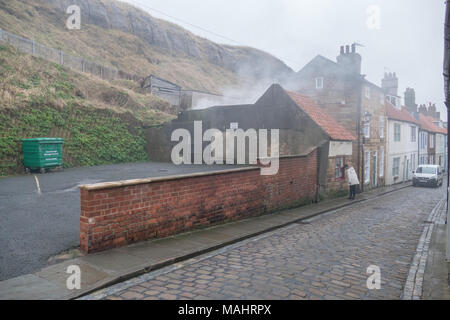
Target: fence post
{"x": 101, "y": 72}
{"x": 61, "y": 57}
{"x": 83, "y": 68}
{"x": 33, "y": 48}
{"x": 1, "y": 34}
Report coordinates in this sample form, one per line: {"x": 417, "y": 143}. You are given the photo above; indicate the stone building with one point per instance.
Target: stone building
{"x": 356, "y": 103}
{"x": 302, "y": 125}
{"x": 184, "y": 99}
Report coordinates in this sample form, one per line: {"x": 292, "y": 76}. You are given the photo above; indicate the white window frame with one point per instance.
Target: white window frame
{"x": 366, "y": 166}
{"x": 382, "y": 124}
{"x": 423, "y": 140}
{"x": 367, "y": 92}
{"x": 399, "y": 126}
{"x": 366, "y": 129}
{"x": 381, "y": 161}
{"x": 432, "y": 140}
{"x": 413, "y": 136}
{"x": 341, "y": 168}
{"x": 319, "y": 80}
{"x": 395, "y": 167}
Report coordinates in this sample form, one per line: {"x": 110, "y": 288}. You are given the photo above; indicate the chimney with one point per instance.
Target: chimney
{"x": 390, "y": 83}
{"x": 410, "y": 100}
{"x": 350, "y": 59}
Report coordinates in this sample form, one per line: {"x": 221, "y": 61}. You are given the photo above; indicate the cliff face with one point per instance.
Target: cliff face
{"x": 170, "y": 38}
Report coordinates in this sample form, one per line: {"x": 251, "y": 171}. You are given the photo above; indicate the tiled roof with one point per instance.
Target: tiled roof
{"x": 401, "y": 115}
{"x": 426, "y": 123}
{"x": 319, "y": 116}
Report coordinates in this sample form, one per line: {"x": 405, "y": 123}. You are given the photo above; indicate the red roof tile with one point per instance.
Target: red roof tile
{"x": 401, "y": 115}
{"x": 319, "y": 116}
{"x": 426, "y": 123}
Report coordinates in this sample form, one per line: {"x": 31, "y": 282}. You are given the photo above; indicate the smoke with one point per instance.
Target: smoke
{"x": 254, "y": 80}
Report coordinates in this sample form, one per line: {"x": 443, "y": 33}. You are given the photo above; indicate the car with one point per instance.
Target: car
{"x": 428, "y": 174}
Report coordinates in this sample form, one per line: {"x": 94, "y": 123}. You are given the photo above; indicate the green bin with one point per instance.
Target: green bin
{"x": 42, "y": 153}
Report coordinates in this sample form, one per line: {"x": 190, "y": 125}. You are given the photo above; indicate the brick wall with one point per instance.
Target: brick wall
{"x": 118, "y": 213}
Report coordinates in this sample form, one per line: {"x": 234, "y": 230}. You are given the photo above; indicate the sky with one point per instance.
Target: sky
{"x": 402, "y": 36}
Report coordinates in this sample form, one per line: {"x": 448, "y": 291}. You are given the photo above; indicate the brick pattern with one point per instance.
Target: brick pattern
{"x": 119, "y": 215}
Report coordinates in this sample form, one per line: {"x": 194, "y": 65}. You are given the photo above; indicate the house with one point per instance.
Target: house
{"x": 302, "y": 125}
{"x": 427, "y": 139}
{"x": 402, "y": 146}
{"x": 357, "y": 104}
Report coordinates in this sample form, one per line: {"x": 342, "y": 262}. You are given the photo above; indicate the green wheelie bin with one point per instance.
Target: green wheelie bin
{"x": 42, "y": 153}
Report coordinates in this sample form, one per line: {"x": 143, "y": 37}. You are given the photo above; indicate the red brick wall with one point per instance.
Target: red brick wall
{"x": 117, "y": 214}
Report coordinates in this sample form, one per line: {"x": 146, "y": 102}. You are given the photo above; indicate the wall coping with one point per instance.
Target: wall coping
{"x": 132, "y": 182}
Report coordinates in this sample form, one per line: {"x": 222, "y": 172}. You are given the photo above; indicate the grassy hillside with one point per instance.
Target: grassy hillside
{"x": 101, "y": 122}
{"x": 140, "y": 45}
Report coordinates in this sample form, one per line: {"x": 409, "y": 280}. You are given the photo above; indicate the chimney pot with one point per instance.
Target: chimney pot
{"x": 353, "y": 48}
{"x": 342, "y": 49}
{"x": 347, "y": 49}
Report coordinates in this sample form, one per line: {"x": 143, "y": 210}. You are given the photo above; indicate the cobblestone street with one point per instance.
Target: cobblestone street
{"x": 325, "y": 257}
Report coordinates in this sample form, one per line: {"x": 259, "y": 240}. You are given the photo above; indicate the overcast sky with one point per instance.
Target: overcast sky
{"x": 409, "y": 40}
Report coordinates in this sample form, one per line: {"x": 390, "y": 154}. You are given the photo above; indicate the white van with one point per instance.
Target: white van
{"x": 428, "y": 174}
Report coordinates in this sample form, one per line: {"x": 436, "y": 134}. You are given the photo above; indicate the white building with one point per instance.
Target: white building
{"x": 402, "y": 144}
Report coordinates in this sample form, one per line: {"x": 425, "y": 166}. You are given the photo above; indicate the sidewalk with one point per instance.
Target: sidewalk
{"x": 106, "y": 268}
{"x": 436, "y": 282}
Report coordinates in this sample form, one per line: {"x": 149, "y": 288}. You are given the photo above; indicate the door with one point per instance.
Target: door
{"x": 407, "y": 169}
{"x": 374, "y": 172}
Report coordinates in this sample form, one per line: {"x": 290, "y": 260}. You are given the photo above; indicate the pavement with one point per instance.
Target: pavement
{"x": 39, "y": 224}
{"x": 101, "y": 270}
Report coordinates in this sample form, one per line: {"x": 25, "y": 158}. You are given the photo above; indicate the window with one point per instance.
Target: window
{"x": 413, "y": 134}
{"x": 397, "y": 128}
{"x": 381, "y": 161}
{"x": 367, "y": 92}
{"x": 423, "y": 140}
{"x": 366, "y": 129}
{"x": 339, "y": 168}
{"x": 431, "y": 140}
{"x": 423, "y": 160}
{"x": 319, "y": 83}
{"x": 366, "y": 166}
{"x": 440, "y": 160}
{"x": 396, "y": 167}
{"x": 427, "y": 170}
{"x": 431, "y": 160}
{"x": 381, "y": 127}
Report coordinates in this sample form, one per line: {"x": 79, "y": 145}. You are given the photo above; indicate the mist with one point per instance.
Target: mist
{"x": 409, "y": 41}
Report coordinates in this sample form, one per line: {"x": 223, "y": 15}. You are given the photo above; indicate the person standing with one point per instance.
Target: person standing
{"x": 352, "y": 179}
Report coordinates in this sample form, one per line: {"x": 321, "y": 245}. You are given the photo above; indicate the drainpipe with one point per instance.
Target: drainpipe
{"x": 447, "y": 104}
{"x": 358, "y": 128}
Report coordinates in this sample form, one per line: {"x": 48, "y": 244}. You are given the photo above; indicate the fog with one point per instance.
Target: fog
{"x": 409, "y": 40}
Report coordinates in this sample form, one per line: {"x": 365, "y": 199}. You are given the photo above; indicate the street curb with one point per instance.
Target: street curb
{"x": 165, "y": 263}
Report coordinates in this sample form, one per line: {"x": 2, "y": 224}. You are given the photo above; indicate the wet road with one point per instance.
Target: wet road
{"x": 324, "y": 258}
{"x": 35, "y": 226}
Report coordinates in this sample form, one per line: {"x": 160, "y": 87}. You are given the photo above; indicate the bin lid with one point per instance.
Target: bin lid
{"x": 44, "y": 140}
